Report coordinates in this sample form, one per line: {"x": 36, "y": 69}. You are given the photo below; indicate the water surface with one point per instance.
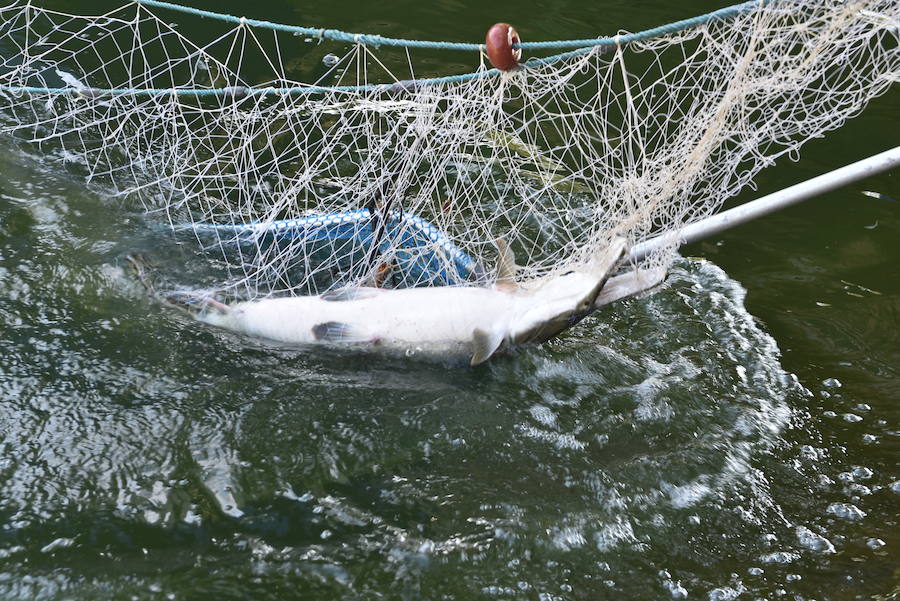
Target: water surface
{"x": 732, "y": 436}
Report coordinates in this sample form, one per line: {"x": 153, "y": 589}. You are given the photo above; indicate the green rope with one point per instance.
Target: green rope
{"x": 722, "y": 14}
{"x": 582, "y": 47}
{"x": 377, "y": 40}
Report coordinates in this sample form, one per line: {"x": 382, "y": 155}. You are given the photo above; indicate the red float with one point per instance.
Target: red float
{"x": 499, "y": 42}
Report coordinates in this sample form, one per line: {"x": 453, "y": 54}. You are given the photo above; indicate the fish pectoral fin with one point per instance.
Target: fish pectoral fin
{"x": 507, "y": 270}
{"x": 484, "y": 344}
{"x": 335, "y": 331}
{"x": 349, "y": 294}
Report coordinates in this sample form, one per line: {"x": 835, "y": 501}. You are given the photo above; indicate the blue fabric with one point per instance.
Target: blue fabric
{"x": 422, "y": 253}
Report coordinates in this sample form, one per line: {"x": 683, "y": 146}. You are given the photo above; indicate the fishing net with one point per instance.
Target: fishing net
{"x": 295, "y": 160}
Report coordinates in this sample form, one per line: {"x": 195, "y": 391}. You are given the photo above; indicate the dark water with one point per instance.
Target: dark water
{"x": 733, "y": 436}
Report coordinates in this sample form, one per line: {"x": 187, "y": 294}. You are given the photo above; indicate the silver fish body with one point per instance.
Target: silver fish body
{"x": 475, "y": 321}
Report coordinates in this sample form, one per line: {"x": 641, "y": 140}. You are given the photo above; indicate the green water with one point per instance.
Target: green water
{"x": 709, "y": 441}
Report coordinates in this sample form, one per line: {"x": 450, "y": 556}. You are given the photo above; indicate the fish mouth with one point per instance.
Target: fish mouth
{"x": 563, "y": 323}
{"x": 577, "y": 316}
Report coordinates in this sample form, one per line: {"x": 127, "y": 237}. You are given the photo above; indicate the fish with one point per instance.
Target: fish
{"x": 632, "y": 283}
{"x": 476, "y": 322}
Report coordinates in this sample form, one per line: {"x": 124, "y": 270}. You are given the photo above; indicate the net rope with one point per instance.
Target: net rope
{"x": 294, "y": 162}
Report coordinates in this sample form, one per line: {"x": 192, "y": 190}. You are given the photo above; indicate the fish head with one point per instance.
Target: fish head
{"x": 555, "y": 303}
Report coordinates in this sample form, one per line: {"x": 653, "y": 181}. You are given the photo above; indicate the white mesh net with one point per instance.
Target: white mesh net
{"x": 340, "y": 181}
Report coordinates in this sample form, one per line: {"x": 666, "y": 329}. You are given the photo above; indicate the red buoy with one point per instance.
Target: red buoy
{"x": 499, "y": 41}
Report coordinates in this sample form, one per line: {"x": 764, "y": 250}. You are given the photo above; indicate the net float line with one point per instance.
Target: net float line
{"x": 512, "y": 52}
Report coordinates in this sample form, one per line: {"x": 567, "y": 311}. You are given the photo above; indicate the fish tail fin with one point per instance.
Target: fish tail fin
{"x": 192, "y": 303}
{"x": 195, "y": 303}
{"x": 142, "y": 270}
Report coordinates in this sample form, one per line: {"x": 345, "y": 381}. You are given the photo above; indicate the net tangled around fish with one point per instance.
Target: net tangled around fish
{"x": 296, "y": 165}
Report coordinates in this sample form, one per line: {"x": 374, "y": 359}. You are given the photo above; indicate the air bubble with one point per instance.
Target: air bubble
{"x": 812, "y": 541}
{"x": 809, "y": 452}
{"x": 859, "y": 490}
{"x": 862, "y": 473}
{"x": 726, "y": 593}
{"x": 779, "y": 557}
{"x": 846, "y": 511}
{"x": 330, "y": 60}
{"x": 675, "y": 589}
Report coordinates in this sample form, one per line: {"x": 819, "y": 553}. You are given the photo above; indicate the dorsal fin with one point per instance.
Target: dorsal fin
{"x": 507, "y": 270}
{"x": 484, "y": 345}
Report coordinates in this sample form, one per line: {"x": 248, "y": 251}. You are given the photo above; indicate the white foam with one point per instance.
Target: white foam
{"x": 812, "y": 541}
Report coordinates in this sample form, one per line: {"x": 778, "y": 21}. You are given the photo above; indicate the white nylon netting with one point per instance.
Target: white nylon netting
{"x": 556, "y": 157}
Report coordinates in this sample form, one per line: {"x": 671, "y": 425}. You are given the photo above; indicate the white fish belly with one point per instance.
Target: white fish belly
{"x": 434, "y": 315}
{"x": 285, "y": 319}
{"x": 422, "y": 318}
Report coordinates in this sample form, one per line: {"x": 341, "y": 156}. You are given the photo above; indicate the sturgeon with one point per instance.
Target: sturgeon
{"x": 476, "y": 322}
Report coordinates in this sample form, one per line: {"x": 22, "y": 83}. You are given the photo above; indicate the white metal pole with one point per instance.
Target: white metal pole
{"x": 773, "y": 202}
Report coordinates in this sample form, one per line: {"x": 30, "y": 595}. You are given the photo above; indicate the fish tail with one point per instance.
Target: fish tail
{"x": 196, "y": 303}
{"x": 142, "y": 270}
{"x": 192, "y": 303}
